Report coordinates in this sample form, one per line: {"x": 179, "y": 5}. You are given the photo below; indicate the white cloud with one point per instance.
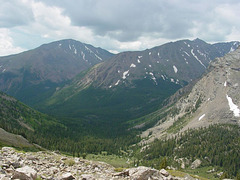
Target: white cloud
{"x": 15, "y": 13}
{"x": 119, "y": 25}
{"x": 6, "y": 43}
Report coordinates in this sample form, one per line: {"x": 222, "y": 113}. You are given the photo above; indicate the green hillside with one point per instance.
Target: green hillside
{"x": 105, "y": 111}
{"x": 20, "y": 119}
{"x": 216, "y": 146}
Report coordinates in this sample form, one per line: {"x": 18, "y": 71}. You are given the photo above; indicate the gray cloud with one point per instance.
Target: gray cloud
{"x": 15, "y": 13}
{"x": 127, "y": 20}
{"x": 120, "y": 25}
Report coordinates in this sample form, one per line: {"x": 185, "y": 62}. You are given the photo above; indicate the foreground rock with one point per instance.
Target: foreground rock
{"x": 25, "y": 173}
{"x": 52, "y": 166}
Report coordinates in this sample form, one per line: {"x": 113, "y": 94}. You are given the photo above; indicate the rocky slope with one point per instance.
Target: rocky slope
{"x": 176, "y": 62}
{"x": 133, "y": 84}
{"x": 50, "y": 165}
{"x": 10, "y": 139}
{"x": 213, "y": 99}
{"x": 45, "y": 68}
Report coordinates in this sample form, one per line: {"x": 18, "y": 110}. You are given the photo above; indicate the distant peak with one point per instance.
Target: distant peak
{"x": 198, "y": 40}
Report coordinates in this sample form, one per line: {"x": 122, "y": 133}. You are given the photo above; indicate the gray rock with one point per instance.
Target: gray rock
{"x": 4, "y": 178}
{"x": 196, "y": 164}
{"x": 8, "y": 150}
{"x": 67, "y": 176}
{"x": 188, "y": 177}
{"x": 87, "y": 177}
{"x": 25, "y": 173}
{"x": 142, "y": 173}
{"x": 164, "y": 172}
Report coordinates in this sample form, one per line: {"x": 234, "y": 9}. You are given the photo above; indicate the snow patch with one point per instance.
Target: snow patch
{"x": 172, "y": 80}
{"x": 202, "y": 116}
{"x": 125, "y": 74}
{"x": 83, "y": 55}
{"x": 233, "y": 107}
{"x": 158, "y": 54}
{"x": 158, "y": 62}
{"x": 69, "y": 47}
{"x": 138, "y": 61}
{"x": 150, "y": 65}
{"x": 139, "y": 57}
{"x": 186, "y": 53}
{"x": 117, "y": 83}
{"x": 75, "y": 51}
{"x": 3, "y": 70}
{"x": 225, "y": 83}
{"x": 232, "y": 49}
{"x": 177, "y": 82}
{"x": 132, "y": 65}
{"x": 175, "y": 69}
{"x": 60, "y": 45}
{"x": 153, "y": 77}
{"x": 149, "y": 53}
{"x": 119, "y": 71}
{"x": 90, "y": 51}
{"x": 163, "y": 77}
{"x": 202, "y": 54}
{"x": 197, "y": 59}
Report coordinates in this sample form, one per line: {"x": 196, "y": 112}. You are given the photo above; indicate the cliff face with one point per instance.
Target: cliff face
{"x": 213, "y": 99}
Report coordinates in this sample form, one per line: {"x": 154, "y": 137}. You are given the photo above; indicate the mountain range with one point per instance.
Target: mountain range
{"x": 213, "y": 99}
{"x": 87, "y": 87}
{"x": 33, "y": 75}
{"x": 184, "y": 93}
{"x": 132, "y": 84}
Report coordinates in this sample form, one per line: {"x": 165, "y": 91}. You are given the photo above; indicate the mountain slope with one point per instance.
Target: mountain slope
{"x": 133, "y": 84}
{"x": 213, "y": 99}
{"x": 40, "y": 71}
{"x": 19, "y": 119}
{"x": 177, "y": 62}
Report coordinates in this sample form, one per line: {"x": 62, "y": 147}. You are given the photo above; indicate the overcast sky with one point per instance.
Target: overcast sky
{"x": 115, "y": 25}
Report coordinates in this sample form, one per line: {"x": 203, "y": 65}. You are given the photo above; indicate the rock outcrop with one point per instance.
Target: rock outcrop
{"x": 53, "y": 166}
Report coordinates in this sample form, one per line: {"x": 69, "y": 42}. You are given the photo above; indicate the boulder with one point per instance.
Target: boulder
{"x": 8, "y": 150}
{"x": 188, "y": 177}
{"x": 25, "y": 173}
{"x": 87, "y": 177}
{"x": 67, "y": 176}
{"x": 123, "y": 174}
{"x": 196, "y": 164}
{"x": 4, "y": 178}
{"x": 164, "y": 172}
{"x": 142, "y": 173}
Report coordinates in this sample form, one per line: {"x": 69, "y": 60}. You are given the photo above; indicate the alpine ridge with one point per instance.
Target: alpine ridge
{"x": 133, "y": 84}
{"x": 43, "y": 70}
{"x": 177, "y": 62}
{"x": 213, "y": 99}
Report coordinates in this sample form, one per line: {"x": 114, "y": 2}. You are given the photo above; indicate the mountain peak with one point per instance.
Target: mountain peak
{"x": 213, "y": 99}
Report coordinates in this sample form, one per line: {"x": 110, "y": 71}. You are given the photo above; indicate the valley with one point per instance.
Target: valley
{"x": 163, "y": 107}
